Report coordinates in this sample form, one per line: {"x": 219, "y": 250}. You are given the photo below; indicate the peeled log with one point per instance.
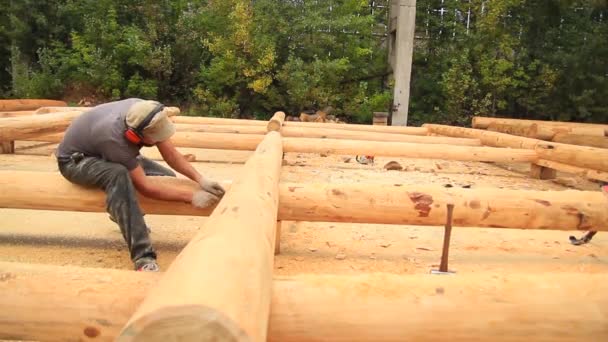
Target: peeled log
{"x": 239, "y": 137}
{"x": 581, "y": 140}
{"x": 358, "y": 203}
{"x": 84, "y": 303}
{"x": 330, "y": 133}
{"x": 28, "y": 104}
{"x": 426, "y": 205}
{"x": 579, "y": 171}
{"x": 407, "y": 150}
{"x": 47, "y": 110}
{"x": 519, "y": 130}
{"x": 227, "y": 296}
{"x": 484, "y": 122}
{"x": 488, "y": 138}
{"x": 199, "y": 120}
{"x": 22, "y": 128}
{"x": 276, "y": 122}
{"x": 582, "y": 156}
{"x": 248, "y": 142}
{"x": 548, "y": 132}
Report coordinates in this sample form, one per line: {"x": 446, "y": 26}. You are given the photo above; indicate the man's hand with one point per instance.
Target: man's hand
{"x": 212, "y": 187}
{"x": 203, "y": 199}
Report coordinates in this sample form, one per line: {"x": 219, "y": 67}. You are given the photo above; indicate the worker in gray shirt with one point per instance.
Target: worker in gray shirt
{"x": 101, "y": 149}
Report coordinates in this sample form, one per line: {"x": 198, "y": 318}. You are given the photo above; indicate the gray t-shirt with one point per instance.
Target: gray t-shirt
{"x": 99, "y": 132}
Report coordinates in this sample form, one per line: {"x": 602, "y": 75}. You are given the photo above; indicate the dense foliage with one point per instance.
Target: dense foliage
{"x": 522, "y": 58}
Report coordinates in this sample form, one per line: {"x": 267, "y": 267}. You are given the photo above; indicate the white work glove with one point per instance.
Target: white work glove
{"x": 203, "y": 199}
{"x": 212, "y": 187}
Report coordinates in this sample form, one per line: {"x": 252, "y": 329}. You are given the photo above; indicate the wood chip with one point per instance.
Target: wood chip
{"x": 393, "y": 165}
{"x": 341, "y": 256}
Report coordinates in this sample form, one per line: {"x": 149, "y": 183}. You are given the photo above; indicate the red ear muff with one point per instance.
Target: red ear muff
{"x": 132, "y": 136}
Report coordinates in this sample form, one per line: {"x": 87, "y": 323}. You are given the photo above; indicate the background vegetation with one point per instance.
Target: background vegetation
{"x": 539, "y": 59}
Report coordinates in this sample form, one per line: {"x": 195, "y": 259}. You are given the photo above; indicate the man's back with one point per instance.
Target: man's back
{"x": 99, "y": 132}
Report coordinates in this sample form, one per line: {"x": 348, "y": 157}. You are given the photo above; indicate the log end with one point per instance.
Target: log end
{"x": 183, "y": 323}
{"x": 276, "y": 122}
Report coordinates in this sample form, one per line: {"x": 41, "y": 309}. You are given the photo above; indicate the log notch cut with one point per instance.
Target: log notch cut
{"x": 219, "y": 287}
{"x": 484, "y": 123}
{"x": 358, "y": 203}
{"x": 580, "y": 156}
{"x": 276, "y": 122}
{"x": 86, "y": 304}
{"x": 197, "y": 120}
{"x": 28, "y": 104}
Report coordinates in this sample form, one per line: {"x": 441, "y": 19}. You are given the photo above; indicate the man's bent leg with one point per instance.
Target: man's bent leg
{"x": 121, "y": 200}
{"x": 152, "y": 168}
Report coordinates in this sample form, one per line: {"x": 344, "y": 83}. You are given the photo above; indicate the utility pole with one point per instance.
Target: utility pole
{"x": 402, "y": 26}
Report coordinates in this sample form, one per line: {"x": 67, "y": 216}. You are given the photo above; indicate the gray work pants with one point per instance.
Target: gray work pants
{"x": 121, "y": 199}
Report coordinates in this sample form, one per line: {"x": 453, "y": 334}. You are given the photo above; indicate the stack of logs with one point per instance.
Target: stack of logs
{"x": 574, "y": 133}
{"x": 221, "y": 287}
{"x": 586, "y": 161}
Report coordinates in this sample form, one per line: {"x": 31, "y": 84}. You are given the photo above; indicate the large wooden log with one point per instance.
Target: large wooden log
{"x": 28, "y": 104}
{"x": 519, "y": 130}
{"x": 233, "y": 141}
{"x": 47, "y": 110}
{"x": 54, "y": 303}
{"x": 330, "y": 133}
{"x": 581, "y": 140}
{"x": 407, "y": 150}
{"x": 248, "y": 142}
{"x": 548, "y": 132}
{"x": 543, "y": 132}
{"x": 22, "y": 128}
{"x": 219, "y": 287}
{"x": 579, "y": 171}
{"x": 359, "y": 203}
{"x": 484, "y": 122}
{"x": 427, "y": 205}
{"x": 199, "y": 120}
{"x": 580, "y": 156}
{"x": 487, "y": 138}
{"x": 276, "y": 122}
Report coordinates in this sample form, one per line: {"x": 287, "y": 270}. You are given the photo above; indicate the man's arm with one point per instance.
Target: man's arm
{"x": 177, "y": 161}
{"x": 199, "y": 199}
{"x": 157, "y": 191}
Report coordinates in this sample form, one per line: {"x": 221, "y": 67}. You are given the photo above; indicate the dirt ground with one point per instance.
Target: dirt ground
{"x": 92, "y": 240}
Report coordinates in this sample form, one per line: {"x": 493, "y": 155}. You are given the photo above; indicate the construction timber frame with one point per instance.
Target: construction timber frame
{"x": 221, "y": 286}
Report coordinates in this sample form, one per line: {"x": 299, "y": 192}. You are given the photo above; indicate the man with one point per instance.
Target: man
{"x": 101, "y": 149}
